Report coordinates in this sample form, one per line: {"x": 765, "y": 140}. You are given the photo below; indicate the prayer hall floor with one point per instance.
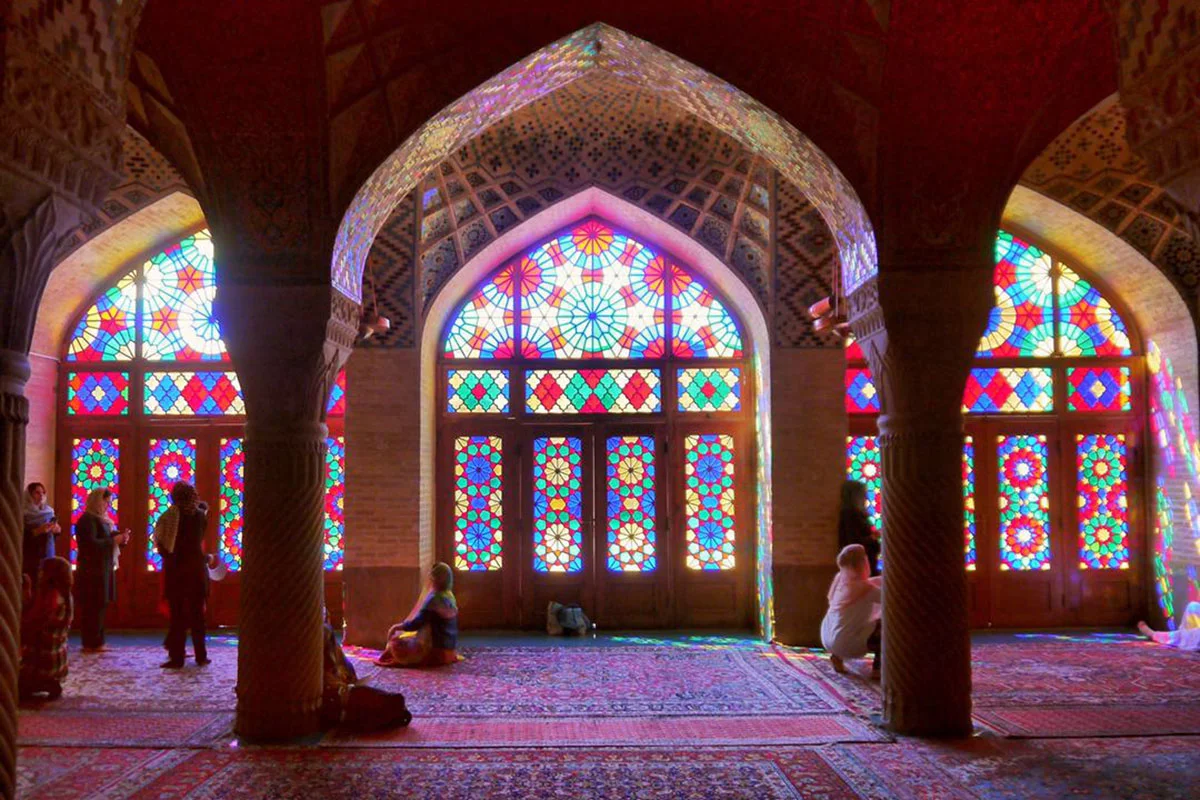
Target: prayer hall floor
{"x": 1085, "y": 714}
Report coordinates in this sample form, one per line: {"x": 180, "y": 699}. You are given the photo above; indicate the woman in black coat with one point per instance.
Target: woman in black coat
{"x": 96, "y": 536}
{"x": 179, "y": 538}
{"x": 854, "y": 524}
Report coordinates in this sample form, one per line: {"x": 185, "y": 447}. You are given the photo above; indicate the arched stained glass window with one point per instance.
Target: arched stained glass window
{"x": 151, "y": 398}
{"x": 1056, "y": 354}
{"x": 594, "y": 329}
{"x": 593, "y": 293}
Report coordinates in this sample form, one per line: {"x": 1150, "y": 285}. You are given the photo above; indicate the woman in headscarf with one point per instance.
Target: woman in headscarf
{"x": 96, "y": 537}
{"x": 428, "y": 636}
{"x": 851, "y": 626}
{"x": 44, "y": 632}
{"x": 179, "y": 539}
{"x": 854, "y": 524}
{"x": 41, "y": 526}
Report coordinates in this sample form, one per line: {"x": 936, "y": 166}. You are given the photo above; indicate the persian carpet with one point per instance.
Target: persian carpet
{"x": 1159, "y": 768}
{"x": 610, "y": 773}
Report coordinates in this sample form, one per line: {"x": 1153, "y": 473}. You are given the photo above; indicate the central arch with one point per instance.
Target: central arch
{"x": 737, "y": 296}
{"x": 625, "y": 57}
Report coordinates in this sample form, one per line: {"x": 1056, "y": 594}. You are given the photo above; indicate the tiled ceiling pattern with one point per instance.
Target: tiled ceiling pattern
{"x": 148, "y": 177}
{"x": 1090, "y": 168}
{"x": 603, "y": 132}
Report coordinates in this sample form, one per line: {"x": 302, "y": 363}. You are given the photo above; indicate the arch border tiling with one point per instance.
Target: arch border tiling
{"x": 740, "y": 300}
{"x": 601, "y": 47}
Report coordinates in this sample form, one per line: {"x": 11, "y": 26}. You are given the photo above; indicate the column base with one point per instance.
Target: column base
{"x": 939, "y": 718}
{"x": 278, "y": 723}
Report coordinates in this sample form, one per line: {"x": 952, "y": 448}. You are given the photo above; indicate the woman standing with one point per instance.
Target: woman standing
{"x": 41, "y": 526}
{"x": 96, "y": 538}
{"x": 854, "y": 525}
{"x": 179, "y": 538}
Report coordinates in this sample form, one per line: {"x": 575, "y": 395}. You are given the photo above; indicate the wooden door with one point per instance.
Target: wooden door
{"x": 633, "y": 545}
{"x": 558, "y": 519}
{"x": 712, "y": 507}
{"x": 1021, "y": 547}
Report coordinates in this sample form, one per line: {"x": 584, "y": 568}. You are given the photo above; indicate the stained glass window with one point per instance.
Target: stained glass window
{"x": 171, "y": 460}
{"x": 1022, "y": 322}
{"x": 193, "y": 393}
{"x": 709, "y": 501}
{"x": 1103, "y": 505}
{"x": 968, "y": 481}
{"x": 593, "y": 391}
{"x": 477, "y": 391}
{"x": 478, "y": 503}
{"x": 231, "y": 505}
{"x": 107, "y": 331}
{"x": 178, "y": 323}
{"x": 592, "y": 293}
{"x": 484, "y": 326}
{"x": 632, "y": 510}
{"x": 98, "y": 393}
{"x": 557, "y": 504}
{"x": 1087, "y": 323}
{"x": 336, "y": 407}
{"x": 702, "y": 327}
{"x": 95, "y": 464}
{"x": 1164, "y": 547}
{"x": 1024, "y": 501}
{"x": 335, "y": 501}
{"x": 1008, "y": 390}
{"x": 709, "y": 389}
{"x": 861, "y": 397}
{"x": 1098, "y": 389}
{"x": 863, "y": 464}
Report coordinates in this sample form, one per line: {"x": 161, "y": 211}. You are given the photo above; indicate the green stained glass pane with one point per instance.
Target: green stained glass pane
{"x": 477, "y": 391}
{"x": 712, "y": 389}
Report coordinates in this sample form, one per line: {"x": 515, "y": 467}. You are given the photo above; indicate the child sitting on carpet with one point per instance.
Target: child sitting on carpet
{"x": 45, "y": 629}
{"x": 851, "y": 626}
{"x": 1186, "y": 638}
{"x": 429, "y": 635}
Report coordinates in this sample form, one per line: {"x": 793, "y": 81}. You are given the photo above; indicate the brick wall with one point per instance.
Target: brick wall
{"x": 40, "y": 435}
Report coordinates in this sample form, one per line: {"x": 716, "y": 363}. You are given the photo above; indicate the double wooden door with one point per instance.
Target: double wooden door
{"x": 599, "y": 513}
{"x": 1058, "y": 520}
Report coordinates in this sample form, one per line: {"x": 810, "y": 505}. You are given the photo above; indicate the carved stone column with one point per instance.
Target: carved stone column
{"x": 28, "y": 244}
{"x": 287, "y": 351}
{"x": 919, "y": 330}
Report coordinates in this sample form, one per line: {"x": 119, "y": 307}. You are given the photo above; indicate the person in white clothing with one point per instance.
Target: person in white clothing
{"x": 1186, "y": 638}
{"x": 851, "y": 626}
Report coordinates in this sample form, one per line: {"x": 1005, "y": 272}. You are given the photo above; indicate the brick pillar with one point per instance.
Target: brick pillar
{"x": 919, "y": 329}
{"x": 287, "y": 351}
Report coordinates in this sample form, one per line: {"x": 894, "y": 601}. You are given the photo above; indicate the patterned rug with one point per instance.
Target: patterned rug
{"x": 1159, "y": 768}
{"x": 668, "y": 773}
{"x": 499, "y": 696}
{"x": 1053, "y": 685}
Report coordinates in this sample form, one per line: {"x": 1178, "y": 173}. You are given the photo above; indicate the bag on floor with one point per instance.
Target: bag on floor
{"x": 573, "y": 621}
{"x": 552, "y": 626}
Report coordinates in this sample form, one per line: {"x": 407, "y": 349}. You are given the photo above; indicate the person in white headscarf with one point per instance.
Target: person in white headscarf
{"x": 851, "y": 626}
{"x": 40, "y": 528}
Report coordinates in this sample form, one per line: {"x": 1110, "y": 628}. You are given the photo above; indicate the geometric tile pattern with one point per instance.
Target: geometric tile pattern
{"x": 193, "y": 393}
{"x": 97, "y": 393}
{"x": 1091, "y": 169}
{"x": 718, "y": 389}
{"x": 1098, "y": 389}
{"x": 391, "y": 267}
{"x": 805, "y": 258}
{"x": 1008, "y": 390}
{"x": 659, "y": 157}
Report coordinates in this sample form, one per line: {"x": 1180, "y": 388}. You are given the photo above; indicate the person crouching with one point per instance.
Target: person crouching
{"x": 851, "y": 627}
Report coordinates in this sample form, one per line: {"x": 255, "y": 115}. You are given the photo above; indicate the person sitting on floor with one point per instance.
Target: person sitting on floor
{"x": 851, "y": 626}
{"x": 1186, "y": 638}
{"x": 46, "y": 626}
{"x": 429, "y": 635}
{"x": 344, "y": 702}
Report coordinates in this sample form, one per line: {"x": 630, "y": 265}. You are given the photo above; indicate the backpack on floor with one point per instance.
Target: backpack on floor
{"x": 573, "y": 621}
